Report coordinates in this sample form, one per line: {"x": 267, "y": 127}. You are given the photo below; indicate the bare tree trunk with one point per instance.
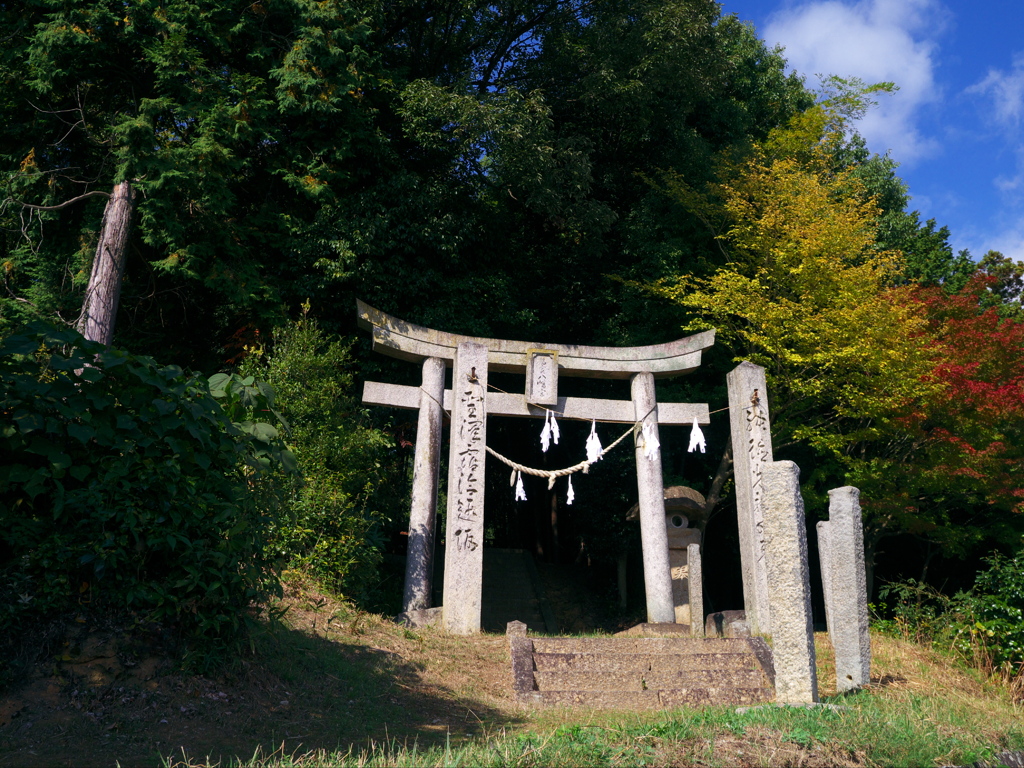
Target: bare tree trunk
{"x": 99, "y": 308}
{"x": 715, "y": 493}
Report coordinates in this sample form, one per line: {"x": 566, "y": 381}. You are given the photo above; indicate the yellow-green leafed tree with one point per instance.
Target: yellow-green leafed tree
{"x": 806, "y": 292}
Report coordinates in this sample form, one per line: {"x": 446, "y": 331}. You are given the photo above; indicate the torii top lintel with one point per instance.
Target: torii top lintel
{"x": 407, "y": 341}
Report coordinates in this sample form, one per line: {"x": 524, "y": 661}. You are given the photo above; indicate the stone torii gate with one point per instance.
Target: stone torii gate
{"x": 470, "y": 403}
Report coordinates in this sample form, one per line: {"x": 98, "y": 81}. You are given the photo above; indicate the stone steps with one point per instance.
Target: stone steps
{"x": 639, "y": 672}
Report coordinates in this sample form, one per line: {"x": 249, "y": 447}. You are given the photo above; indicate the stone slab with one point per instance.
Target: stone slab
{"x": 750, "y": 427}
{"x": 651, "y": 645}
{"x": 649, "y": 700}
{"x": 408, "y": 341}
{"x": 503, "y": 404}
{"x": 718, "y": 624}
{"x": 848, "y": 590}
{"x": 464, "y": 536}
{"x": 789, "y": 585}
{"x": 419, "y": 618}
{"x": 696, "y": 590}
{"x": 601, "y": 680}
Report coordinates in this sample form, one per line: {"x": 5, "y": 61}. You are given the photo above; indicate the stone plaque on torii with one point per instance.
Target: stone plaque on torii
{"x": 470, "y": 404}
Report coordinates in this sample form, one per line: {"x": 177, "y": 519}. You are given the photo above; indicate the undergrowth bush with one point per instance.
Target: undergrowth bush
{"x": 126, "y": 485}
{"x": 984, "y": 627}
{"x": 331, "y": 525}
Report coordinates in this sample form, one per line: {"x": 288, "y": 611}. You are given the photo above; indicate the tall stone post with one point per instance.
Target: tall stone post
{"x": 464, "y": 535}
{"x": 696, "y": 590}
{"x": 650, "y": 487}
{"x": 789, "y": 585}
{"x": 751, "y": 449}
{"x": 846, "y": 595}
{"x": 419, "y": 564}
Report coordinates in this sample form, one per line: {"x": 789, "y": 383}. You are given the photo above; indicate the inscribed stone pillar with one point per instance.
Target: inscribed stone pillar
{"x": 419, "y": 564}
{"x": 848, "y": 613}
{"x": 751, "y": 450}
{"x": 696, "y": 590}
{"x": 653, "y": 538}
{"x": 464, "y": 535}
{"x": 789, "y": 587}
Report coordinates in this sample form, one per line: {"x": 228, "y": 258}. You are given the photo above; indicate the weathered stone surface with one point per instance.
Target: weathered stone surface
{"x": 678, "y": 646}
{"x": 521, "y": 651}
{"x": 848, "y": 615}
{"x": 464, "y": 554}
{"x": 738, "y": 629}
{"x": 717, "y": 624}
{"x": 654, "y": 630}
{"x": 419, "y": 565}
{"x": 650, "y": 490}
{"x": 752, "y": 448}
{"x": 789, "y": 589}
{"x": 679, "y": 540}
{"x": 645, "y": 679}
{"x": 824, "y": 559}
{"x": 419, "y": 618}
{"x": 644, "y": 673}
{"x": 542, "y": 377}
{"x": 503, "y": 404}
{"x": 408, "y": 341}
{"x": 696, "y": 590}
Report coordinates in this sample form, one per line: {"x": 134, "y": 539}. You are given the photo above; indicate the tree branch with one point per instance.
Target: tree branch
{"x": 65, "y": 204}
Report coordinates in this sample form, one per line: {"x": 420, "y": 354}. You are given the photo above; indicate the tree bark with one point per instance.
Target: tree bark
{"x": 99, "y": 308}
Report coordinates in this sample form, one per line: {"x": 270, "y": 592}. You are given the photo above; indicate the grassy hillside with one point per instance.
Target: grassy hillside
{"x": 330, "y": 686}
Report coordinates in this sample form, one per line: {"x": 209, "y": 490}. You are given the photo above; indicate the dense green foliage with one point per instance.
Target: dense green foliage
{"x": 124, "y": 484}
{"x": 330, "y": 524}
{"x": 230, "y": 118}
{"x": 983, "y": 625}
{"x": 487, "y": 168}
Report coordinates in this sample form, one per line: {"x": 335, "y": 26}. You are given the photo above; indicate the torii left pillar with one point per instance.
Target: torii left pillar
{"x": 420, "y": 562}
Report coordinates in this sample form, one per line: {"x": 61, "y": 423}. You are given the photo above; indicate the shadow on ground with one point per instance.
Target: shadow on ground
{"x": 110, "y": 700}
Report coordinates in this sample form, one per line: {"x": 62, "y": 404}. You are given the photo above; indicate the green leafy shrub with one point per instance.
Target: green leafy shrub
{"x": 126, "y": 482}
{"x": 984, "y": 626}
{"x": 332, "y": 524}
{"x": 993, "y": 614}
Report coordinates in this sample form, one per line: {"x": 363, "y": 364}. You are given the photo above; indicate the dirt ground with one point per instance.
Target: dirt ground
{"x": 329, "y": 678}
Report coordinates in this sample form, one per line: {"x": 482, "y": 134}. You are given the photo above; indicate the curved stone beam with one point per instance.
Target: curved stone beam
{"x": 407, "y": 341}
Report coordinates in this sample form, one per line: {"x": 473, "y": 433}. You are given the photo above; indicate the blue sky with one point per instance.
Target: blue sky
{"x": 956, "y": 126}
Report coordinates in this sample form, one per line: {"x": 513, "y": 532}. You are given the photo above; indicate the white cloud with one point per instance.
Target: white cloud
{"x": 876, "y": 41}
{"x": 1006, "y": 89}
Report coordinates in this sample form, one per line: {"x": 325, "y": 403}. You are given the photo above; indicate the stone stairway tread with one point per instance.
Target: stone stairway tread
{"x": 652, "y": 699}
{"x": 632, "y": 645}
{"x": 655, "y": 662}
{"x": 600, "y": 680}
{"x": 636, "y": 672}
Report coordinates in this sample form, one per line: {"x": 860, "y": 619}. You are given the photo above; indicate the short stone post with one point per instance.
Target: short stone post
{"x": 650, "y": 487}
{"x": 751, "y": 449}
{"x": 789, "y": 588}
{"x": 696, "y": 590}
{"x": 419, "y": 564}
{"x": 464, "y": 534}
{"x": 679, "y": 540}
{"x": 846, "y": 596}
